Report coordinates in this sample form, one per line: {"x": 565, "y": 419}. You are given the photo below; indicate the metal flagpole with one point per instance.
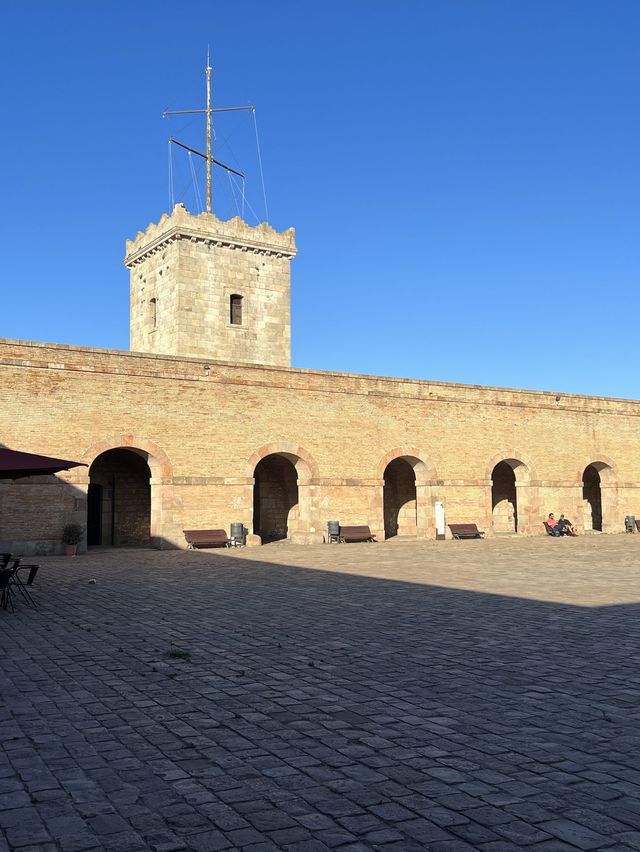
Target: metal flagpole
{"x": 209, "y": 141}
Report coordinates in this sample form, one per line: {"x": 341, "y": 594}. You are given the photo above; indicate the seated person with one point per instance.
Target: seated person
{"x": 565, "y": 526}
{"x": 552, "y": 525}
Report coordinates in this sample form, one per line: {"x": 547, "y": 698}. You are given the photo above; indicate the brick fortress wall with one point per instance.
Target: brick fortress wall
{"x": 202, "y": 427}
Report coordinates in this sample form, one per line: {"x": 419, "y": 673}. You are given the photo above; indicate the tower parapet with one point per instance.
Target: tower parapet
{"x": 205, "y": 288}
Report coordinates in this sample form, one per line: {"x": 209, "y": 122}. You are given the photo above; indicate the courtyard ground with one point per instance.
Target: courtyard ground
{"x": 403, "y": 695}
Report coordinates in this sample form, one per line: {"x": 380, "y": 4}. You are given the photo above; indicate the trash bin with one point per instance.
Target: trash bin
{"x": 237, "y": 534}
{"x": 333, "y": 531}
{"x": 630, "y": 523}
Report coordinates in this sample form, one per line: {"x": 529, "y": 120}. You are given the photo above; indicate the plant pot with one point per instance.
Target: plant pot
{"x": 70, "y": 549}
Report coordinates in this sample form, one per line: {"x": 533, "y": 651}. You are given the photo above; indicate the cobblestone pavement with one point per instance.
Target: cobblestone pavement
{"x": 398, "y": 696}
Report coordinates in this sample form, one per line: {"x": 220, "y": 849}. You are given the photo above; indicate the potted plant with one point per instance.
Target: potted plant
{"x": 71, "y": 535}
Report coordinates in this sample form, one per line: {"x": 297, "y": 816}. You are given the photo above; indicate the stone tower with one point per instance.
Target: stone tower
{"x": 204, "y": 288}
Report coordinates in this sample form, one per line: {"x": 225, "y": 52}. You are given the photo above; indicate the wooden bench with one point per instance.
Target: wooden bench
{"x": 465, "y": 531}
{"x": 356, "y": 534}
{"x": 206, "y": 538}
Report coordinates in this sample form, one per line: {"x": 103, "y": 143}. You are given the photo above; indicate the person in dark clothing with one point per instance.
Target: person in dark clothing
{"x": 565, "y": 526}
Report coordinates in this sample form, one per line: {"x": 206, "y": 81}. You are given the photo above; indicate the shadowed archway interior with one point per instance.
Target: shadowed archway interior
{"x": 119, "y": 500}
{"x": 275, "y": 497}
{"x": 504, "y": 500}
{"x": 592, "y": 497}
{"x": 400, "y": 499}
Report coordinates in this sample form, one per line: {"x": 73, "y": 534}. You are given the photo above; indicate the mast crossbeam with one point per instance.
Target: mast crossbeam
{"x": 204, "y": 157}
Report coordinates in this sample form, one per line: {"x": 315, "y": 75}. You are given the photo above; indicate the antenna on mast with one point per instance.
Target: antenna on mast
{"x": 207, "y": 72}
{"x": 208, "y": 111}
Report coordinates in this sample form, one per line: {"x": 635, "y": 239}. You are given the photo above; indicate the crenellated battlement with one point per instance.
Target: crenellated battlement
{"x": 207, "y": 228}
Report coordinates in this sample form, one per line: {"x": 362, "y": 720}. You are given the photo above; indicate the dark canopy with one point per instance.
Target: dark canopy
{"x": 14, "y": 464}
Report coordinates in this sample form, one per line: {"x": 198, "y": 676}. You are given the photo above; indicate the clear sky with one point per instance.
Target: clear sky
{"x": 463, "y": 175}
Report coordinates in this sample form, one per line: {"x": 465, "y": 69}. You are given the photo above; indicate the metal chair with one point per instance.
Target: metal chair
{"x": 5, "y": 590}
{"x": 16, "y": 581}
{"x": 33, "y": 569}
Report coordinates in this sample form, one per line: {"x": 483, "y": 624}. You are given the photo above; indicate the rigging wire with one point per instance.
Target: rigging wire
{"x": 197, "y": 171}
{"x": 200, "y": 169}
{"x": 226, "y": 143}
{"x": 264, "y": 193}
{"x": 181, "y": 193}
{"x": 195, "y": 184}
{"x": 229, "y": 197}
{"x": 171, "y": 176}
{"x": 233, "y": 193}
{"x": 234, "y": 159}
{"x": 248, "y": 205}
{"x": 184, "y": 188}
{"x": 186, "y": 124}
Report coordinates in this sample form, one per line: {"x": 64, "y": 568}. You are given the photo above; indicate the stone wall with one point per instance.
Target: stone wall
{"x": 184, "y": 271}
{"x": 203, "y": 426}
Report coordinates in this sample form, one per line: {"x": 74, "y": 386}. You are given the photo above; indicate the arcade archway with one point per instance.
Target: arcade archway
{"x": 400, "y": 506}
{"x": 510, "y": 498}
{"x": 119, "y": 499}
{"x": 597, "y": 506}
{"x": 275, "y": 497}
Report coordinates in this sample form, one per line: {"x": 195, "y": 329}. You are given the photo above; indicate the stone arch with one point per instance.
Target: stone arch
{"x": 164, "y": 530}
{"x": 158, "y": 461}
{"x": 511, "y": 504}
{"x": 302, "y": 460}
{"x": 405, "y": 503}
{"x": 605, "y": 466}
{"x": 282, "y": 474}
{"x": 424, "y": 471}
{"x": 519, "y": 463}
{"x": 599, "y": 495}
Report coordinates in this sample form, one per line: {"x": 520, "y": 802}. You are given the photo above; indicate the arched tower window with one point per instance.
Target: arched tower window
{"x": 153, "y": 312}
{"x": 235, "y": 310}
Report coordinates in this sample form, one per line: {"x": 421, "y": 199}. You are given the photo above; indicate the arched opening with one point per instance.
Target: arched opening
{"x": 119, "y": 500}
{"x": 399, "y": 498}
{"x": 405, "y": 503}
{"x": 592, "y": 495}
{"x": 275, "y": 497}
{"x": 505, "y": 477}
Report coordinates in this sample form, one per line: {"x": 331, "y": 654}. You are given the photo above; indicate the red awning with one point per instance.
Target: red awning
{"x": 14, "y": 464}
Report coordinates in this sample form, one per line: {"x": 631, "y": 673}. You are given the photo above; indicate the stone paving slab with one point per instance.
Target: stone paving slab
{"x": 397, "y": 696}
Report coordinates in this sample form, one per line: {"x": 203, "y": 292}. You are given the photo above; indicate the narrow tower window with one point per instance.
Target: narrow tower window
{"x": 235, "y": 310}
{"x": 153, "y": 310}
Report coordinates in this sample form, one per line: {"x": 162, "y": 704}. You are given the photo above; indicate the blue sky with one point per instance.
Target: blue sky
{"x": 463, "y": 175}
